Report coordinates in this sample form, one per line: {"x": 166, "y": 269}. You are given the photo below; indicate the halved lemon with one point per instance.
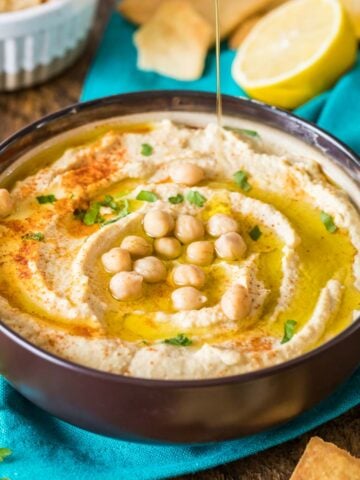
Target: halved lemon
{"x": 295, "y": 52}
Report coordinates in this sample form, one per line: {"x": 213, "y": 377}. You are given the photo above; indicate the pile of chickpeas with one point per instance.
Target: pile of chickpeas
{"x": 134, "y": 263}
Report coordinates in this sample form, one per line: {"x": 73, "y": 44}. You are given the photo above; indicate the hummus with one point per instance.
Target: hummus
{"x": 13, "y": 5}
{"x": 290, "y": 282}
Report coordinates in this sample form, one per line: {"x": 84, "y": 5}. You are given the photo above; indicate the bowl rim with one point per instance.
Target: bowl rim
{"x": 171, "y": 383}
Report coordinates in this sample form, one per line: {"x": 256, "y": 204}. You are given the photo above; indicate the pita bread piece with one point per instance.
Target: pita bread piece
{"x": 232, "y": 12}
{"x": 325, "y": 461}
{"x": 174, "y": 42}
{"x": 138, "y": 11}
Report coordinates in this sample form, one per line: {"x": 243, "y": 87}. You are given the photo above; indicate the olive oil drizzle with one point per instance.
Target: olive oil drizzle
{"x": 218, "y": 67}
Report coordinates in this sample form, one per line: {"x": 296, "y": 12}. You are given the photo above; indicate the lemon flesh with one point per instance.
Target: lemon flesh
{"x": 295, "y": 52}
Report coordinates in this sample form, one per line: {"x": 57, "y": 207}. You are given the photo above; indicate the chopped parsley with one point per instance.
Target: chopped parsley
{"x": 241, "y": 179}
{"x": 289, "y": 330}
{"x": 4, "y": 452}
{"x": 146, "y": 196}
{"x": 92, "y": 216}
{"x": 180, "y": 340}
{"x": 244, "y": 131}
{"x": 42, "y": 199}
{"x": 111, "y": 203}
{"x": 328, "y": 221}
{"x": 255, "y": 233}
{"x": 179, "y": 198}
{"x": 195, "y": 198}
{"x": 37, "y": 236}
{"x": 146, "y": 149}
{"x": 122, "y": 212}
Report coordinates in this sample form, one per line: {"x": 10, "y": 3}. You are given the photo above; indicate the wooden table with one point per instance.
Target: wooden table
{"x": 18, "y": 109}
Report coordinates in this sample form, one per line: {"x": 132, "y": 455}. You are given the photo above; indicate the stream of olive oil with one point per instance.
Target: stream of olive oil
{"x": 218, "y": 66}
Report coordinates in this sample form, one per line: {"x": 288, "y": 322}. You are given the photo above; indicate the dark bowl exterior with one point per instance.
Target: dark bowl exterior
{"x": 176, "y": 411}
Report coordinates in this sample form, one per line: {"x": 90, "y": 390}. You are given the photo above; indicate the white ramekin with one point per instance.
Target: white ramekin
{"x": 39, "y": 42}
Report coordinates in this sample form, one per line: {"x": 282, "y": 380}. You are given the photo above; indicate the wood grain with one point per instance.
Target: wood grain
{"x": 20, "y": 108}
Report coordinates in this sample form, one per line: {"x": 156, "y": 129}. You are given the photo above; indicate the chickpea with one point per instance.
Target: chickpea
{"x": 188, "y": 275}
{"x": 235, "y": 303}
{"x": 188, "y": 229}
{"x": 126, "y": 286}
{"x": 188, "y": 298}
{"x": 187, "y": 174}
{"x": 158, "y": 223}
{"x": 230, "y": 246}
{"x": 136, "y": 246}
{"x": 168, "y": 247}
{"x": 151, "y": 269}
{"x": 6, "y": 203}
{"x": 220, "y": 223}
{"x": 200, "y": 253}
{"x": 116, "y": 260}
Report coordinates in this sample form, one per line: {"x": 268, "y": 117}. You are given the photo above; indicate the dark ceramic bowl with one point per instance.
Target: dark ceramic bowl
{"x": 177, "y": 411}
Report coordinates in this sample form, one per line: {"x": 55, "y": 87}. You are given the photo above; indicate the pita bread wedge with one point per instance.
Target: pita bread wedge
{"x": 174, "y": 42}
{"x": 232, "y": 12}
{"x": 325, "y": 461}
{"x": 139, "y": 11}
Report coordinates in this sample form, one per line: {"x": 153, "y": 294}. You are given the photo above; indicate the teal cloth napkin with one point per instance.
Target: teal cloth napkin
{"x": 47, "y": 448}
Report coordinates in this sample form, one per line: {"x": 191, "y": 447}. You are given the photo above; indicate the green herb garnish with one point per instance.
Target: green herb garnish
{"x": 4, "y": 452}
{"x": 37, "y": 236}
{"x": 289, "y": 330}
{"x": 244, "y": 131}
{"x": 195, "y": 198}
{"x": 179, "y": 341}
{"x": 328, "y": 221}
{"x": 241, "y": 179}
{"x": 42, "y": 199}
{"x": 123, "y": 212}
{"x": 146, "y": 149}
{"x": 146, "y": 196}
{"x": 111, "y": 203}
{"x": 255, "y": 233}
{"x": 92, "y": 214}
{"x": 177, "y": 199}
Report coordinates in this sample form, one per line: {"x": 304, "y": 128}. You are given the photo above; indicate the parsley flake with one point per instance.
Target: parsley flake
{"x": 255, "y": 233}
{"x": 92, "y": 214}
{"x": 289, "y": 330}
{"x": 123, "y": 212}
{"x": 180, "y": 340}
{"x": 111, "y": 203}
{"x": 241, "y": 179}
{"x": 42, "y": 199}
{"x": 146, "y": 149}
{"x": 328, "y": 221}
{"x": 146, "y": 196}
{"x": 195, "y": 198}
{"x": 179, "y": 198}
{"x": 244, "y": 131}
{"x": 4, "y": 452}
{"x": 37, "y": 236}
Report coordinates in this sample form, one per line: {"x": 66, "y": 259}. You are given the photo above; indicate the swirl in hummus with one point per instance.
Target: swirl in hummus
{"x": 146, "y": 254}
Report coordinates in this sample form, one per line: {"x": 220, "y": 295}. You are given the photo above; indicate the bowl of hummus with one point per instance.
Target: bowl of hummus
{"x": 199, "y": 278}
